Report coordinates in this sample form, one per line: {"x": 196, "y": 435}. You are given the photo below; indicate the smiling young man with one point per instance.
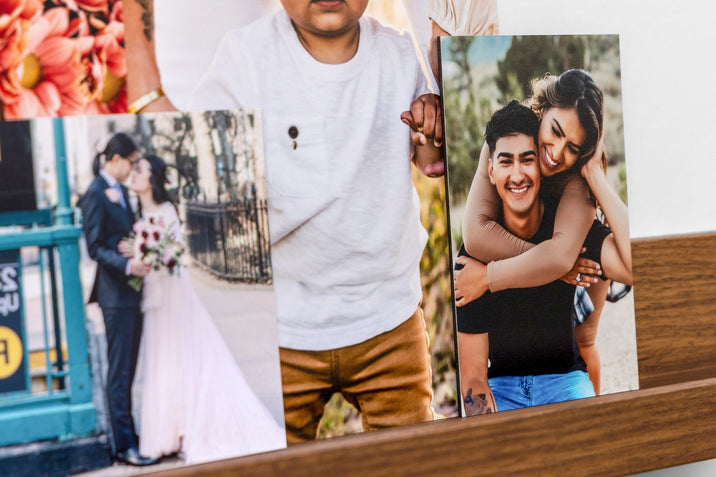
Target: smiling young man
{"x": 517, "y": 347}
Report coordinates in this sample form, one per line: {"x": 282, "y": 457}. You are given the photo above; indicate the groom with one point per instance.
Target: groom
{"x": 107, "y": 218}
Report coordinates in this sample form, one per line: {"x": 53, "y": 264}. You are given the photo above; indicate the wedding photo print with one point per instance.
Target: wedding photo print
{"x": 537, "y": 199}
{"x": 175, "y": 282}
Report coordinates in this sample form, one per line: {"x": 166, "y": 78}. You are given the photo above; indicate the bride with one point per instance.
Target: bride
{"x": 195, "y": 400}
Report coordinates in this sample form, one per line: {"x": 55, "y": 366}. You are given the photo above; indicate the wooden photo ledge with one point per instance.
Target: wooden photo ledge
{"x": 670, "y": 420}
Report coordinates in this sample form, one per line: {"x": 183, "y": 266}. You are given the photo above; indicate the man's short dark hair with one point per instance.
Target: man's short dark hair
{"x": 514, "y": 118}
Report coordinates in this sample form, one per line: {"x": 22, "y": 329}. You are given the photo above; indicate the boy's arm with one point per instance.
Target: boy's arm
{"x": 473, "y": 350}
{"x": 425, "y": 122}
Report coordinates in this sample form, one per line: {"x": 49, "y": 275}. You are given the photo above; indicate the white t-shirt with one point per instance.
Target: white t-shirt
{"x": 185, "y": 30}
{"x": 343, "y": 212}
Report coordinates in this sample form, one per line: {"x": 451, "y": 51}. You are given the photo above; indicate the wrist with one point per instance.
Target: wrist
{"x": 595, "y": 178}
{"x": 488, "y": 275}
{"x": 145, "y": 100}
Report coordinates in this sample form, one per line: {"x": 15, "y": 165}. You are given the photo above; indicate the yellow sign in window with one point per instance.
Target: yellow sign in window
{"x": 10, "y": 352}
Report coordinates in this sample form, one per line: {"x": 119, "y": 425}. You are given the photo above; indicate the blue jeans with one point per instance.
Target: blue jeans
{"x": 515, "y": 392}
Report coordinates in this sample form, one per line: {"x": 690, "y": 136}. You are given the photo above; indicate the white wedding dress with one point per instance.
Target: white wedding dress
{"x": 195, "y": 399}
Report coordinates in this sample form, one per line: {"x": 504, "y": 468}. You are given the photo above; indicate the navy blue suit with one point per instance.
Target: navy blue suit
{"x": 105, "y": 223}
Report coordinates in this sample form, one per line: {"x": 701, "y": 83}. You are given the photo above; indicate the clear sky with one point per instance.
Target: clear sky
{"x": 486, "y": 49}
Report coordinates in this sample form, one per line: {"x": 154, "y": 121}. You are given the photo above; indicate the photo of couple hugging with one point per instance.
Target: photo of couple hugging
{"x": 541, "y": 223}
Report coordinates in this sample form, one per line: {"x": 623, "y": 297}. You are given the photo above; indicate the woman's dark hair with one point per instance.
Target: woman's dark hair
{"x": 573, "y": 89}
{"x": 158, "y": 179}
{"x": 120, "y": 144}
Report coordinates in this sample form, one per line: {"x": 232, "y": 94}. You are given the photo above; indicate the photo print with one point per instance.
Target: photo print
{"x": 175, "y": 281}
{"x": 538, "y": 219}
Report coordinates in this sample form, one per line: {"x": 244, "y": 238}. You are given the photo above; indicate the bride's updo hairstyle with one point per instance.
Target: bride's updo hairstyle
{"x": 158, "y": 179}
{"x": 573, "y": 89}
{"x": 120, "y": 144}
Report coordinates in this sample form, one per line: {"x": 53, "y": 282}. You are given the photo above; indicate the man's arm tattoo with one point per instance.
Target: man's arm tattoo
{"x": 479, "y": 403}
{"x": 147, "y": 18}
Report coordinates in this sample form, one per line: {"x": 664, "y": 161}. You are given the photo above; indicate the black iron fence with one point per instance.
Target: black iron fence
{"x": 231, "y": 239}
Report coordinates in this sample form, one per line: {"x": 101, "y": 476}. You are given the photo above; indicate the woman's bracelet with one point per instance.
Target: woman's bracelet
{"x": 145, "y": 100}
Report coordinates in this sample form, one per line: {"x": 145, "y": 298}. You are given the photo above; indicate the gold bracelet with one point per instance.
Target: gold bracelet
{"x": 145, "y": 100}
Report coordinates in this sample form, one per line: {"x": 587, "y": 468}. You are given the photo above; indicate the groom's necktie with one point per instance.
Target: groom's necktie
{"x": 118, "y": 188}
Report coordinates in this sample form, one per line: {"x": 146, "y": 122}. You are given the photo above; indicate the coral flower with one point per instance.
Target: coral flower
{"x": 11, "y": 10}
{"x": 69, "y": 59}
{"x": 108, "y": 45}
{"x": 110, "y": 54}
{"x": 12, "y": 44}
{"x": 116, "y": 105}
{"x": 117, "y": 12}
{"x": 52, "y": 74}
{"x": 15, "y": 18}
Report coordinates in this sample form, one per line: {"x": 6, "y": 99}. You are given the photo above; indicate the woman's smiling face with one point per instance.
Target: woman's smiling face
{"x": 561, "y": 137}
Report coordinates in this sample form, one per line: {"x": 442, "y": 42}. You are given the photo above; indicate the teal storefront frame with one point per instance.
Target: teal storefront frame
{"x": 69, "y": 412}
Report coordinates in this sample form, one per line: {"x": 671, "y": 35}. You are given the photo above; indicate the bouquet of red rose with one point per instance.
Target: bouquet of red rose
{"x": 156, "y": 245}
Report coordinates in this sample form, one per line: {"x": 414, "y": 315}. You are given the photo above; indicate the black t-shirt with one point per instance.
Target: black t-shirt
{"x": 531, "y": 330}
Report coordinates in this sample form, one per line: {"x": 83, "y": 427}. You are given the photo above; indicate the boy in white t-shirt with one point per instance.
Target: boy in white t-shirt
{"x": 343, "y": 213}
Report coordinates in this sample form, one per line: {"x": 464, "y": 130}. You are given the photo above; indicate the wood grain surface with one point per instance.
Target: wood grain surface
{"x": 670, "y": 421}
{"x": 675, "y": 305}
{"x": 616, "y": 434}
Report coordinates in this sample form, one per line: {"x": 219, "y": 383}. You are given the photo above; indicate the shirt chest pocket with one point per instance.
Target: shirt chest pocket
{"x": 296, "y": 154}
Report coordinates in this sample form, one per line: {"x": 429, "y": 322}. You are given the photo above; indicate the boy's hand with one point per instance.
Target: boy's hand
{"x": 425, "y": 122}
{"x": 424, "y": 118}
